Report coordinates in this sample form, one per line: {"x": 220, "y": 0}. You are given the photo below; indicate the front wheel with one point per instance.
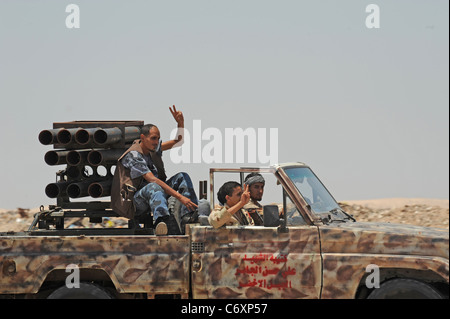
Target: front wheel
{"x": 405, "y": 289}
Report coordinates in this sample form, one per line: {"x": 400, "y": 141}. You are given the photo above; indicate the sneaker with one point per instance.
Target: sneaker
{"x": 161, "y": 229}
{"x": 167, "y": 225}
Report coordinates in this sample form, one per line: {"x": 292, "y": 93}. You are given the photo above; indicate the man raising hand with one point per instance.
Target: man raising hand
{"x": 140, "y": 184}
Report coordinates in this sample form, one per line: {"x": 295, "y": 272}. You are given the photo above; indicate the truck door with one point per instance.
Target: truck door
{"x": 255, "y": 262}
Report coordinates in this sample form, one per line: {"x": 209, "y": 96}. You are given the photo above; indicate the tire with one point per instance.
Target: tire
{"x": 405, "y": 289}
{"x": 86, "y": 291}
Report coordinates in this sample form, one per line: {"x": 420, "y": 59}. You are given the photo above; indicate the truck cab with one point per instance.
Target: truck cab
{"x": 315, "y": 249}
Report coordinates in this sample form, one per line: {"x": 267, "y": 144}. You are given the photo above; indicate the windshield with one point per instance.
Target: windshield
{"x": 312, "y": 190}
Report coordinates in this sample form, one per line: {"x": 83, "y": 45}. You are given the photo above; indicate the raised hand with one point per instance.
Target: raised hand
{"x": 177, "y": 115}
{"x": 245, "y": 197}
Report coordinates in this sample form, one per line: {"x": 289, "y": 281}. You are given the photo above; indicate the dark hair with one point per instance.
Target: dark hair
{"x": 146, "y": 129}
{"x": 226, "y": 189}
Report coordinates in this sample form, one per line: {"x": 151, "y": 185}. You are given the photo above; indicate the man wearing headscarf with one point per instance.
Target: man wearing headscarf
{"x": 256, "y": 184}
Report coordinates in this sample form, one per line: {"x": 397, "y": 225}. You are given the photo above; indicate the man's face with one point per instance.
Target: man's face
{"x": 235, "y": 197}
{"x": 151, "y": 141}
{"x": 256, "y": 191}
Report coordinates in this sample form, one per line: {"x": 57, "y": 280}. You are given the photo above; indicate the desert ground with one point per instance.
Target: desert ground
{"x": 413, "y": 211}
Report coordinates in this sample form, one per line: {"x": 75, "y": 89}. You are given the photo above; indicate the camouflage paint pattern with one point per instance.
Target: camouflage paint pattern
{"x": 347, "y": 249}
{"x": 256, "y": 262}
{"x": 233, "y": 262}
{"x": 135, "y": 264}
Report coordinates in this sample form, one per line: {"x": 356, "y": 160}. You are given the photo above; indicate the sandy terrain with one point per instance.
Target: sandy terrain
{"x": 399, "y": 202}
{"x": 413, "y": 211}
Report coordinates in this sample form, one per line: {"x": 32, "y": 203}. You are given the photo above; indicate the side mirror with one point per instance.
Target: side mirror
{"x": 271, "y": 216}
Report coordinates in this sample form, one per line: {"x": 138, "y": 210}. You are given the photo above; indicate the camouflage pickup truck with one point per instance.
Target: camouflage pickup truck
{"x": 307, "y": 247}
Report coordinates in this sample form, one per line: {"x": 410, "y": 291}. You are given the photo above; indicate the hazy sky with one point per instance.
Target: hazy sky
{"x": 367, "y": 109}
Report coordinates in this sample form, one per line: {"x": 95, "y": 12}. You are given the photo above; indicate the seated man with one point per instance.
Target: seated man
{"x": 140, "y": 185}
{"x": 232, "y": 198}
{"x": 256, "y": 183}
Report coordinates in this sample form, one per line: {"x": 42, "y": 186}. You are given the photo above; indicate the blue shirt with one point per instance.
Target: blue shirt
{"x": 140, "y": 164}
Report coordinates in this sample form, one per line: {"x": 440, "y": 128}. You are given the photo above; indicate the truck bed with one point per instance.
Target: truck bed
{"x": 134, "y": 263}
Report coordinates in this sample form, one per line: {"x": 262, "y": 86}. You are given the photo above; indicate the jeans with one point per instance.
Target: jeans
{"x": 152, "y": 198}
